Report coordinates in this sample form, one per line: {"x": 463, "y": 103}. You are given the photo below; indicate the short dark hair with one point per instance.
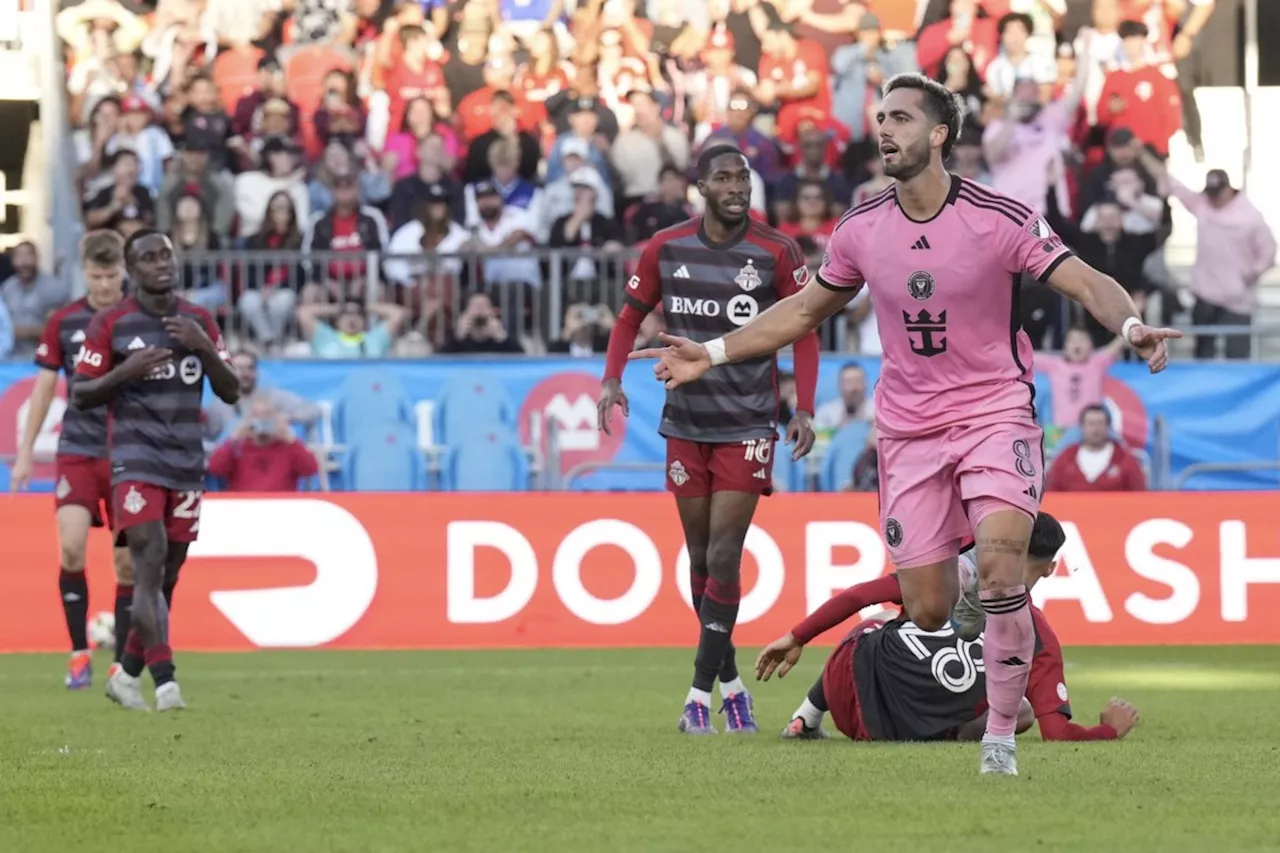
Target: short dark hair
{"x": 940, "y": 104}
{"x": 705, "y": 158}
{"x": 122, "y": 153}
{"x": 246, "y": 353}
{"x": 1132, "y": 30}
{"x": 852, "y": 365}
{"x": 411, "y": 31}
{"x": 1095, "y": 407}
{"x": 1047, "y": 537}
{"x": 140, "y": 234}
{"x": 1016, "y": 18}
{"x": 500, "y": 95}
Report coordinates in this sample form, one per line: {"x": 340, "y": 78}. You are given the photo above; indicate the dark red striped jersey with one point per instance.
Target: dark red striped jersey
{"x": 707, "y": 290}
{"x": 83, "y": 431}
{"x": 153, "y": 425}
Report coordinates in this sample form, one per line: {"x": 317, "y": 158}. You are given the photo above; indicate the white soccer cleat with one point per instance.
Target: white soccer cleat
{"x": 998, "y": 759}
{"x": 169, "y": 697}
{"x": 968, "y": 619}
{"x": 126, "y": 691}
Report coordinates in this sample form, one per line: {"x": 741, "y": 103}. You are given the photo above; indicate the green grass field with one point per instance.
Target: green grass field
{"x": 561, "y": 751}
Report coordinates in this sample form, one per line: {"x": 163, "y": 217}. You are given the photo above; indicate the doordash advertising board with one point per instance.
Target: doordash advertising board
{"x": 434, "y": 571}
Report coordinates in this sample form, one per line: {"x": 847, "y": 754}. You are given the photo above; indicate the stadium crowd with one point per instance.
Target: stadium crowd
{"x": 492, "y": 151}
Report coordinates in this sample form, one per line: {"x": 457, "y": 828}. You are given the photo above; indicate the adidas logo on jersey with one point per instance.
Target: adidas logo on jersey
{"x": 922, "y": 243}
{"x": 683, "y": 272}
{"x": 78, "y": 337}
{"x": 760, "y": 475}
{"x": 136, "y": 343}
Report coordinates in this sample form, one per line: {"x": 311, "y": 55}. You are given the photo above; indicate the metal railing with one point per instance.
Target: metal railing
{"x": 542, "y": 297}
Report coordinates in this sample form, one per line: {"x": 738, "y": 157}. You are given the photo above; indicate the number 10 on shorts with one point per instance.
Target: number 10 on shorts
{"x": 758, "y": 450}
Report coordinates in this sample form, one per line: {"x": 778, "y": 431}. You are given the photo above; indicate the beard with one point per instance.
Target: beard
{"x": 911, "y": 161}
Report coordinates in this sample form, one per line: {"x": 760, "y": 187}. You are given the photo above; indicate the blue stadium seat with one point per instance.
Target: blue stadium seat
{"x": 372, "y": 400}
{"x": 489, "y": 461}
{"x": 471, "y": 401}
{"x": 788, "y": 473}
{"x": 385, "y": 460}
{"x": 5, "y": 473}
{"x": 842, "y": 451}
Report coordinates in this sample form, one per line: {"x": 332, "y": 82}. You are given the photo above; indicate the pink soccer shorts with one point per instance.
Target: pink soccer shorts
{"x": 935, "y": 489}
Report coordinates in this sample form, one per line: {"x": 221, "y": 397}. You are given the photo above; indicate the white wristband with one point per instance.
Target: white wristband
{"x": 715, "y": 350}
{"x": 1128, "y": 327}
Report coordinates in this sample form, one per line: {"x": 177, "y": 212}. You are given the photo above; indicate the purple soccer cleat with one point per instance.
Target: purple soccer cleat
{"x": 737, "y": 714}
{"x": 79, "y": 671}
{"x": 696, "y": 719}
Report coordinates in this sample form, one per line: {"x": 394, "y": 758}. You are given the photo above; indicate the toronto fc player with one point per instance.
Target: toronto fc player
{"x": 82, "y": 472}
{"x": 893, "y": 681}
{"x": 145, "y": 359}
{"x": 958, "y": 443}
{"x": 712, "y": 274}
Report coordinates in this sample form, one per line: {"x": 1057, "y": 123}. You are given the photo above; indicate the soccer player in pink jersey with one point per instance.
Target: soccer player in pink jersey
{"x": 959, "y": 446}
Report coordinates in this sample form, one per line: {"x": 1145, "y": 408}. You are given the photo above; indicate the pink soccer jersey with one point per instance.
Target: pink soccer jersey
{"x": 1074, "y": 384}
{"x": 945, "y": 293}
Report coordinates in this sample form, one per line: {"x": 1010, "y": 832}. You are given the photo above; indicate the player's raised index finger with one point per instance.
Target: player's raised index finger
{"x": 651, "y": 352}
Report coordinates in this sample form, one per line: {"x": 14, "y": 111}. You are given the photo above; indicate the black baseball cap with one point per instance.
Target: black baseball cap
{"x": 277, "y": 145}
{"x": 1119, "y": 136}
{"x": 584, "y": 105}
{"x": 438, "y": 192}
{"x": 486, "y": 188}
{"x": 1216, "y": 181}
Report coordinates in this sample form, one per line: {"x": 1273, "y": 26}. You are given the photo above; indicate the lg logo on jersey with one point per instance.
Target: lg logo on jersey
{"x": 89, "y": 357}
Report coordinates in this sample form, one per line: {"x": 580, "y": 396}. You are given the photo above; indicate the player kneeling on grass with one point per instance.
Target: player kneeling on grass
{"x": 893, "y": 681}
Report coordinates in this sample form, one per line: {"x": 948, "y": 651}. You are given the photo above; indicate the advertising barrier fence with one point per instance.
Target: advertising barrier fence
{"x": 424, "y": 571}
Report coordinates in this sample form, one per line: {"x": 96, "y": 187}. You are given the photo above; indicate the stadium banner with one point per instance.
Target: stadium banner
{"x": 432, "y": 571}
{"x": 1214, "y": 412}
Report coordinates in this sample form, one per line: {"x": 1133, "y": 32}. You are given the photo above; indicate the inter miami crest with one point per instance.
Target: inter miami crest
{"x": 893, "y": 533}
{"x": 748, "y": 277}
{"x": 920, "y": 285}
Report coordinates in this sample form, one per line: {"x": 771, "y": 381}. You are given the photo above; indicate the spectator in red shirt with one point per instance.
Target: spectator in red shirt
{"x": 1140, "y": 97}
{"x": 813, "y": 214}
{"x": 967, "y": 28}
{"x": 795, "y": 78}
{"x": 263, "y": 454}
{"x": 270, "y": 85}
{"x": 1099, "y": 463}
{"x": 543, "y": 74}
{"x": 414, "y": 75}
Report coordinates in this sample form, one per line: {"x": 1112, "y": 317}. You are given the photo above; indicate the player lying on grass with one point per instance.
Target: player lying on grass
{"x": 894, "y": 681}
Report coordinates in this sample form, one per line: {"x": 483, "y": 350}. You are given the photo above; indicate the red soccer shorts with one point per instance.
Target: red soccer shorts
{"x": 841, "y": 689}
{"x": 136, "y": 503}
{"x": 696, "y": 469}
{"x": 84, "y": 481}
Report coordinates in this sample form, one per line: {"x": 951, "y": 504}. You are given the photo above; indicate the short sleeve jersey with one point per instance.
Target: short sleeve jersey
{"x": 83, "y": 431}
{"x": 153, "y": 425}
{"x": 708, "y": 290}
{"x": 945, "y": 296}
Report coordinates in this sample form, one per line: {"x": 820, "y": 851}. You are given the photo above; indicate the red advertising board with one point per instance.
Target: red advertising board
{"x": 566, "y": 570}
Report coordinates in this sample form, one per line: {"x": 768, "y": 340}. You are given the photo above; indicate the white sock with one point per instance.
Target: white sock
{"x": 702, "y": 697}
{"x": 728, "y": 688}
{"x": 1006, "y": 740}
{"x": 810, "y": 713}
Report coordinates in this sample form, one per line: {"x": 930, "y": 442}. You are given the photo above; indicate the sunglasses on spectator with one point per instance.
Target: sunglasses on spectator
{"x": 739, "y": 104}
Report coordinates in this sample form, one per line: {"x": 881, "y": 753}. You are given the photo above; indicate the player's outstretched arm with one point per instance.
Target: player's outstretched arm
{"x": 1104, "y": 298}
{"x": 682, "y": 361}
{"x": 1116, "y": 720}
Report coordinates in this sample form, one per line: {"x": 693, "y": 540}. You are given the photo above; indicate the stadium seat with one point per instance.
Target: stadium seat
{"x": 370, "y": 400}
{"x": 384, "y": 460}
{"x": 236, "y": 74}
{"x": 471, "y": 401}
{"x": 842, "y": 451}
{"x": 491, "y": 461}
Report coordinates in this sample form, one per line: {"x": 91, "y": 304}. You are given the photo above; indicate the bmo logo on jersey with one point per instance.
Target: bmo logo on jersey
{"x": 190, "y": 370}
{"x": 694, "y": 307}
